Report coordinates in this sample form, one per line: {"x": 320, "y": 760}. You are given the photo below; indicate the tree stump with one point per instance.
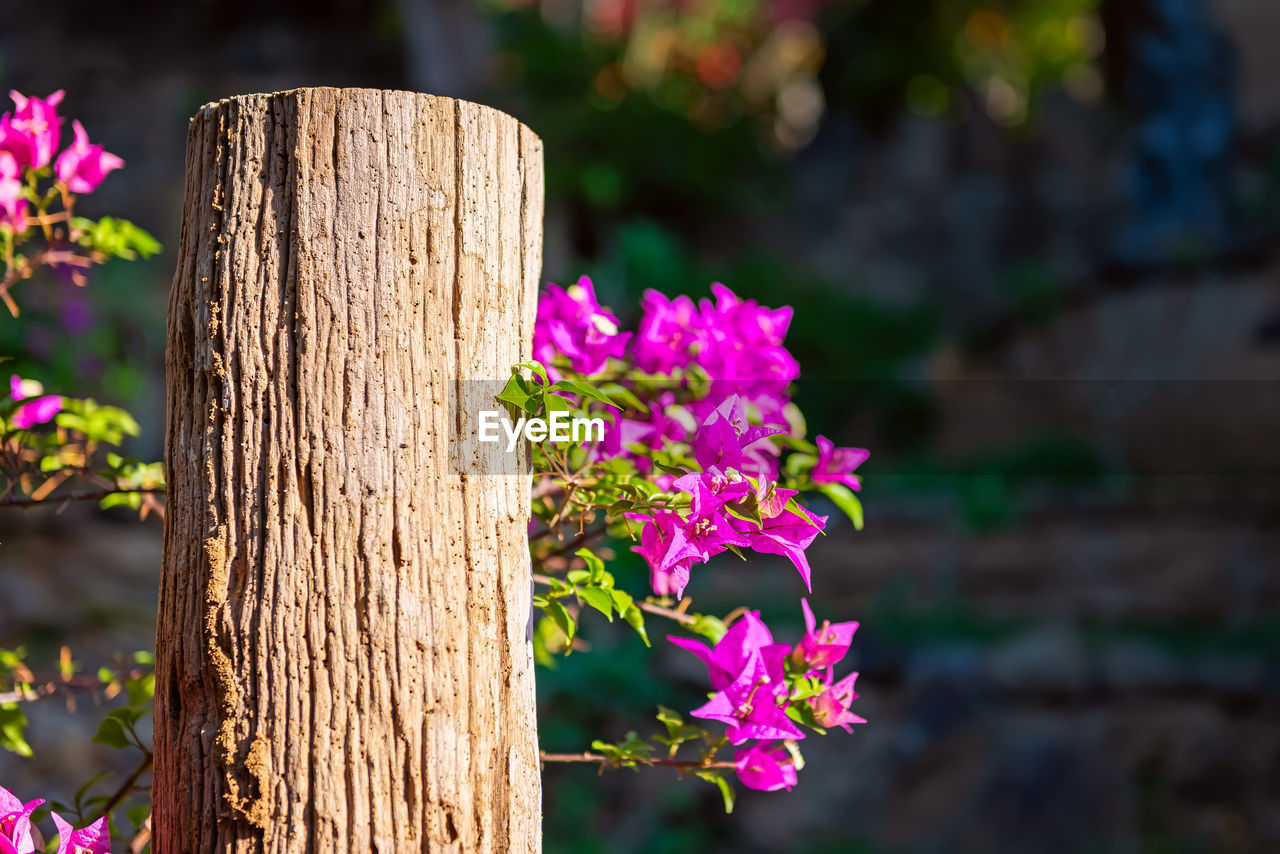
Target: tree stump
{"x": 343, "y": 656}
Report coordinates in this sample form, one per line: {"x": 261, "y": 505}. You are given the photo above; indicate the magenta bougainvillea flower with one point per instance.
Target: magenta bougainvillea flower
{"x": 13, "y": 207}
{"x": 33, "y": 131}
{"x": 37, "y": 409}
{"x": 730, "y": 655}
{"x": 831, "y": 707}
{"x": 667, "y": 548}
{"x": 822, "y": 646}
{"x": 669, "y": 335}
{"x": 82, "y": 167}
{"x": 92, "y": 839}
{"x": 573, "y": 324}
{"x": 747, "y": 672}
{"x": 725, "y": 447}
{"x": 836, "y": 465}
{"x": 742, "y": 352}
{"x": 15, "y": 824}
{"x": 736, "y": 342}
{"x": 754, "y": 704}
{"x": 765, "y": 768}
{"x": 725, "y": 440}
{"x": 788, "y": 533}
{"x": 744, "y": 339}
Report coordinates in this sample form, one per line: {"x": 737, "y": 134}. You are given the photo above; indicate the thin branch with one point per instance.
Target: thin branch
{"x": 670, "y": 613}
{"x": 648, "y": 607}
{"x": 90, "y": 495}
{"x": 48, "y": 256}
{"x": 574, "y": 544}
{"x": 600, "y": 759}
{"x": 48, "y": 685}
{"x": 545, "y": 488}
{"x": 127, "y": 786}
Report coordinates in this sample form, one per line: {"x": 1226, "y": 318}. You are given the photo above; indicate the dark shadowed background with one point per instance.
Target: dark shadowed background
{"x": 1032, "y": 250}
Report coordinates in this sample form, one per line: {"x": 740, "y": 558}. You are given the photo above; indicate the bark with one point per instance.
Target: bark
{"x": 343, "y": 660}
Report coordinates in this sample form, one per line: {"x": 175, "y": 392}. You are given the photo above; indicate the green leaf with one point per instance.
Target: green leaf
{"x": 635, "y": 619}
{"x": 518, "y": 393}
{"x": 543, "y": 633}
{"x": 555, "y": 403}
{"x": 12, "y": 724}
{"x": 794, "y": 507}
{"x": 843, "y": 497}
{"x": 115, "y": 238}
{"x": 11, "y": 659}
{"x": 535, "y": 366}
{"x": 617, "y": 508}
{"x": 712, "y": 628}
{"x": 593, "y": 562}
{"x": 726, "y": 790}
{"x": 636, "y": 746}
{"x": 797, "y": 463}
{"x": 582, "y": 389}
{"x": 621, "y": 600}
{"x": 132, "y": 500}
{"x": 598, "y": 599}
{"x": 631, "y": 751}
{"x": 559, "y": 589}
{"x": 678, "y": 731}
{"x": 141, "y": 690}
{"x": 671, "y": 719}
{"x": 806, "y": 687}
{"x": 617, "y": 391}
{"x": 128, "y": 715}
{"x": 802, "y": 713}
{"x": 111, "y": 733}
{"x": 558, "y": 612}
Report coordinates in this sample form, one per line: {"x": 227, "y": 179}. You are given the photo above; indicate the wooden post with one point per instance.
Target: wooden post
{"x": 343, "y": 658}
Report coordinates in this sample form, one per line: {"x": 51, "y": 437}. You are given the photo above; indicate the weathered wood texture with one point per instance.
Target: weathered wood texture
{"x": 342, "y": 653}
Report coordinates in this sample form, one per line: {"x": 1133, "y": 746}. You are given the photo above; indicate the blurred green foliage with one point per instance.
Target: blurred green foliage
{"x": 943, "y": 58}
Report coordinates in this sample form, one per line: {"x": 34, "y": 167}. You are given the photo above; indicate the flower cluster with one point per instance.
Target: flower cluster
{"x": 29, "y": 136}
{"x": 572, "y": 324}
{"x": 727, "y": 508}
{"x": 34, "y": 406}
{"x": 18, "y": 836}
{"x": 734, "y": 498}
{"x": 738, "y": 343}
{"x": 764, "y": 689}
{"x": 704, "y": 454}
